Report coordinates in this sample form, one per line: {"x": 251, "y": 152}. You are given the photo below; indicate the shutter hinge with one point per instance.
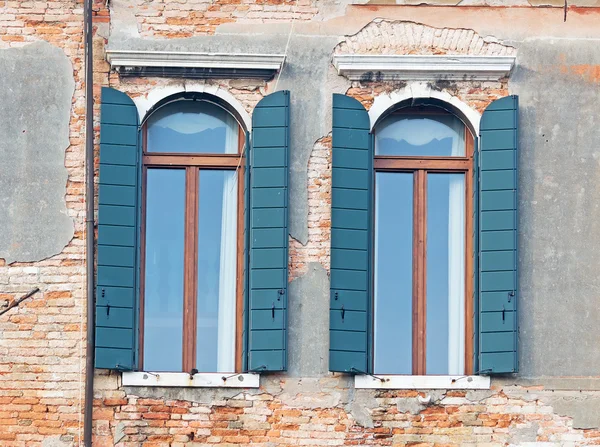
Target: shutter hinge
{"x": 511, "y": 295}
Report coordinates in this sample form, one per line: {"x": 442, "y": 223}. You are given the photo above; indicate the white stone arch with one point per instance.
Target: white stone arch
{"x": 418, "y": 90}
{"x": 145, "y": 103}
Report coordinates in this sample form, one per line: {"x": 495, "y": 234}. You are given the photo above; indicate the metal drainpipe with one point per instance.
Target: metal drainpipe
{"x": 89, "y": 224}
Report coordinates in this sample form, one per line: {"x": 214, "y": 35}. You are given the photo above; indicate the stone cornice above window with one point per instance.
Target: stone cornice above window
{"x": 195, "y": 65}
{"x": 400, "y": 67}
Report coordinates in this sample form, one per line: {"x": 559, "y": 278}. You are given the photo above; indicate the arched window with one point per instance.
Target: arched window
{"x": 422, "y": 216}
{"x": 191, "y": 247}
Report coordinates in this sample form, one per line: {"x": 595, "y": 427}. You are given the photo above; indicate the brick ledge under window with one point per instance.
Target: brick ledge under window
{"x": 422, "y": 382}
{"x": 199, "y": 380}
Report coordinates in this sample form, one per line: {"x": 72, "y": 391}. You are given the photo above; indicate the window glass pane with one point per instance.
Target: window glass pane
{"x": 445, "y": 273}
{"x": 441, "y": 135}
{"x": 217, "y": 264}
{"x": 163, "y": 279}
{"x": 393, "y": 273}
{"x": 188, "y": 126}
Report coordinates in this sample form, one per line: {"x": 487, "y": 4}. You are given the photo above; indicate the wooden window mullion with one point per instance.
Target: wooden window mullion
{"x": 419, "y": 271}
{"x": 239, "y": 321}
{"x": 190, "y": 287}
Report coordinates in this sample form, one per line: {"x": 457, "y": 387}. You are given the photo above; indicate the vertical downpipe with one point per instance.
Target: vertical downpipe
{"x": 89, "y": 224}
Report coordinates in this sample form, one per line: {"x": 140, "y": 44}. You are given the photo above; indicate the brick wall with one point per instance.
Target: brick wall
{"x": 42, "y": 342}
{"x": 325, "y": 412}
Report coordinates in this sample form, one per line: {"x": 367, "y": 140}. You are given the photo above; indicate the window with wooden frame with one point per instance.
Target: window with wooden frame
{"x": 422, "y": 258}
{"x": 192, "y": 240}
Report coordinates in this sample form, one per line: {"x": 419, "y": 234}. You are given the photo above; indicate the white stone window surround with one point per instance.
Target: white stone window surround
{"x": 381, "y": 105}
{"x": 185, "y": 380}
{"x": 421, "y": 90}
{"x": 387, "y": 67}
{"x": 144, "y": 104}
{"x": 398, "y": 382}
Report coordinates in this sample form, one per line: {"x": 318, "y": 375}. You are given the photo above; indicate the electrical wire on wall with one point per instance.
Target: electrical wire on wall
{"x": 285, "y": 55}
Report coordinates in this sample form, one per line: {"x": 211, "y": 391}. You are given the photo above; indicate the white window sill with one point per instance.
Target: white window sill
{"x": 199, "y": 380}
{"x": 422, "y": 382}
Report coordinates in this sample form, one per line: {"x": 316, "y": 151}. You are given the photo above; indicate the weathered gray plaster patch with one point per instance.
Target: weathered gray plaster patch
{"x": 308, "y": 324}
{"x": 559, "y": 207}
{"x": 36, "y": 89}
{"x": 119, "y": 433}
{"x": 479, "y": 395}
{"x": 361, "y": 406}
{"x": 314, "y": 393}
{"x": 582, "y": 408}
{"x": 54, "y": 441}
{"x": 527, "y": 433}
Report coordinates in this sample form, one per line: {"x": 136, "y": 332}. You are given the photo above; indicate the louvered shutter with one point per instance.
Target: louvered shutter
{"x": 351, "y": 198}
{"x": 498, "y": 238}
{"x": 118, "y": 221}
{"x": 268, "y": 264}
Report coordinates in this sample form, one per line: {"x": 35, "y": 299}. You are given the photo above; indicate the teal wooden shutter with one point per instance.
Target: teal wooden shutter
{"x": 268, "y": 265}
{"x": 351, "y": 196}
{"x": 118, "y": 217}
{"x": 498, "y": 238}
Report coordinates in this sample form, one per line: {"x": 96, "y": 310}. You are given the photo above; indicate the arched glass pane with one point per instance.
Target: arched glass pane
{"x": 188, "y": 126}
{"x": 439, "y": 135}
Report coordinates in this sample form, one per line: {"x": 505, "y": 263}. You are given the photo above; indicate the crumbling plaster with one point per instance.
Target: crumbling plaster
{"x": 36, "y": 90}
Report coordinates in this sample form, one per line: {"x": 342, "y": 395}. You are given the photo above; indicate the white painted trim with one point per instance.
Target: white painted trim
{"x": 416, "y": 90}
{"x": 186, "y": 59}
{"x": 199, "y": 380}
{"x": 403, "y": 67}
{"x": 422, "y": 382}
{"x": 145, "y": 103}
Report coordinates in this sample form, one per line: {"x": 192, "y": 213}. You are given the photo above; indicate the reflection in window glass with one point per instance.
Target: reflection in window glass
{"x": 217, "y": 261}
{"x": 163, "y": 281}
{"x": 393, "y": 273}
{"x": 188, "y": 126}
{"x": 445, "y": 273}
{"x": 440, "y": 135}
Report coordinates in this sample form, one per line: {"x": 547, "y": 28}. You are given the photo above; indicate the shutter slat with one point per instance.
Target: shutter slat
{"x": 497, "y": 279}
{"x": 266, "y": 307}
{"x": 118, "y": 222}
{"x": 350, "y": 228}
